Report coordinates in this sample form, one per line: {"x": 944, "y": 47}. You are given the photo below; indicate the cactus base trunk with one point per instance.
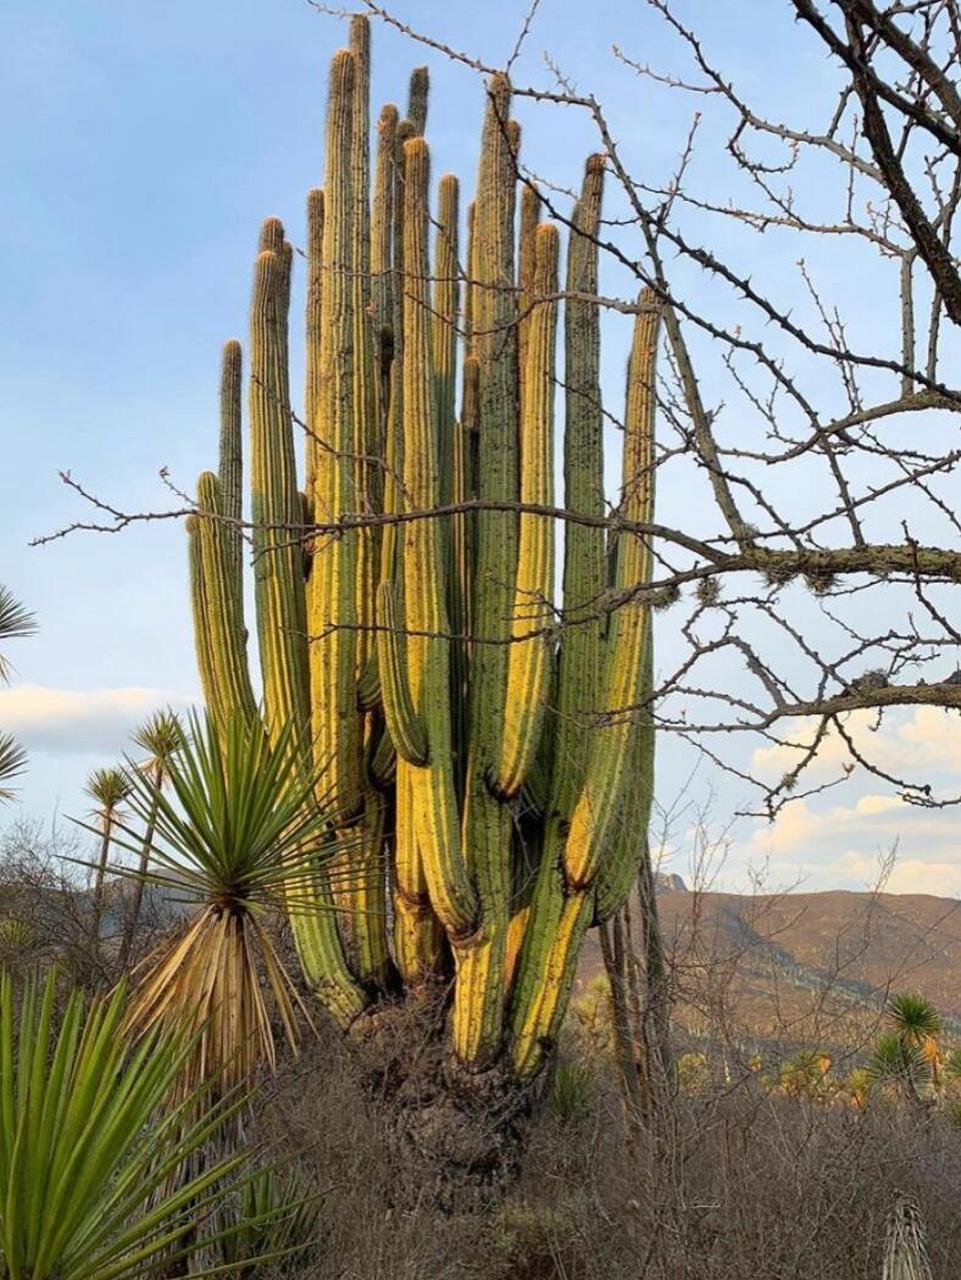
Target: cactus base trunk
{"x": 458, "y": 1134}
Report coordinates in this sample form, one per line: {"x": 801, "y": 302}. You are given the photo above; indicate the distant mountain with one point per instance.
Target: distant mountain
{"x": 669, "y": 881}
{"x": 805, "y": 968}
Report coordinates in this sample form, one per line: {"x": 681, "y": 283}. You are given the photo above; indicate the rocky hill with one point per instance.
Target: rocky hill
{"x": 806, "y": 968}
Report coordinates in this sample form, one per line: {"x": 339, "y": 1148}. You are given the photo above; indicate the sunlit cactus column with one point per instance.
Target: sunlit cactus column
{"x": 486, "y": 758}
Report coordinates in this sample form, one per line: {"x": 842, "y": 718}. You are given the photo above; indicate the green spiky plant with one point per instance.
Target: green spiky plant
{"x": 893, "y": 1061}
{"x": 493, "y": 769}
{"x": 909, "y": 1055}
{"x": 86, "y": 1153}
{"x": 270, "y": 1215}
{"x": 15, "y": 621}
{"x": 239, "y": 834}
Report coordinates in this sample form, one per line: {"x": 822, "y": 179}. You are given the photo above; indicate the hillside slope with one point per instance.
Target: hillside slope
{"x": 806, "y": 968}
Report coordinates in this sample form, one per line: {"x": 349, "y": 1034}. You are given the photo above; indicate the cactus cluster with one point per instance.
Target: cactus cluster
{"x": 490, "y": 751}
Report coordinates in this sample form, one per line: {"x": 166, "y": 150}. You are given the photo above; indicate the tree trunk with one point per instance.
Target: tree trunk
{"x": 133, "y": 916}
{"x": 640, "y": 1004}
{"x": 98, "y": 881}
{"x": 462, "y": 1131}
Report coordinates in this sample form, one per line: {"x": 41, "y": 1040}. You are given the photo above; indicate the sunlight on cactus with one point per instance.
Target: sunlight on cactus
{"x": 492, "y": 771}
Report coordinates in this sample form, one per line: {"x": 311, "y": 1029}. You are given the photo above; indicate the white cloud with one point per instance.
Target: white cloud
{"x": 845, "y": 845}
{"x": 871, "y": 805}
{"x": 72, "y": 722}
{"x": 912, "y": 875}
{"x": 916, "y": 745}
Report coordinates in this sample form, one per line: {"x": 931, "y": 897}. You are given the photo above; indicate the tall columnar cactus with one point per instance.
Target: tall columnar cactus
{"x": 490, "y": 755}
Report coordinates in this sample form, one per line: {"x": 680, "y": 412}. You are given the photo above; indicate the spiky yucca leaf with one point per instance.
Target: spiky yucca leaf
{"x": 85, "y": 1153}
{"x": 239, "y": 834}
{"x": 895, "y": 1061}
{"x": 269, "y": 1215}
{"x": 13, "y": 761}
{"x": 15, "y": 620}
{"x": 913, "y": 1017}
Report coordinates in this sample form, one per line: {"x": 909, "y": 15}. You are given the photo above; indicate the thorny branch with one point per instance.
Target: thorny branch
{"x": 807, "y": 456}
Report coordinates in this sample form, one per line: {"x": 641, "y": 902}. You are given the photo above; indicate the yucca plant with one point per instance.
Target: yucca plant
{"x": 110, "y": 789}
{"x": 13, "y": 761}
{"x": 900, "y": 1063}
{"x": 15, "y": 620}
{"x": 952, "y": 1065}
{"x": 572, "y": 1091}
{"x": 269, "y": 1215}
{"x": 917, "y": 1022}
{"x": 238, "y": 835}
{"x": 905, "y": 1245}
{"x": 160, "y": 737}
{"x": 918, "y": 1025}
{"x": 86, "y": 1152}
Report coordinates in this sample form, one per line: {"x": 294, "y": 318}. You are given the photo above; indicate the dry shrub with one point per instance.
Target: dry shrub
{"x": 741, "y": 1183}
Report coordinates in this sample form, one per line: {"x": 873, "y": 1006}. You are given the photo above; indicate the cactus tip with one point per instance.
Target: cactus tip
{"x": 342, "y": 68}
{"x": 271, "y": 235}
{"x": 499, "y": 87}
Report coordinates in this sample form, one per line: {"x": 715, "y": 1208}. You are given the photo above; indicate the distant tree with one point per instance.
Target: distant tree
{"x": 161, "y": 737}
{"x": 110, "y": 789}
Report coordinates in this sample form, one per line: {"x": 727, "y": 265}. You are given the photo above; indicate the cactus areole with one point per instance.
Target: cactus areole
{"x": 491, "y": 746}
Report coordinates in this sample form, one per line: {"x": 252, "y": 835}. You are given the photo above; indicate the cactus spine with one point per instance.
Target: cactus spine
{"x": 493, "y": 769}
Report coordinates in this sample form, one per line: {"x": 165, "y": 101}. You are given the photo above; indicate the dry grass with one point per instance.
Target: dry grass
{"x": 749, "y": 1185}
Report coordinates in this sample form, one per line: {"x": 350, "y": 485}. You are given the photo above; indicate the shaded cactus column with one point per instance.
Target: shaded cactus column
{"x": 452, "y": 460}
{"x": 218, "y": 603}
{"x": 580, "y": 658}
{"x": 417, "y": 688}
{"x": 478, "y": 1001}
{"x": 230, "y": 470}
{"x": 528, "y": 672}
{"x": 604, "y": 843}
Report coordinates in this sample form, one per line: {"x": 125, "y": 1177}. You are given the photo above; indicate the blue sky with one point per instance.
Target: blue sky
{"x": 143, "y": 144}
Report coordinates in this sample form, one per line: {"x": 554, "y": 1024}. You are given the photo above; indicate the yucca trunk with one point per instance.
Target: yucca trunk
{"x": 132, "y": 921}
{"x": 494, "y": 753}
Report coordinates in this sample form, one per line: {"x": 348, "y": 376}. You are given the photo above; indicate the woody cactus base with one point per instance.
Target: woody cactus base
{"x": 491, "y": 753}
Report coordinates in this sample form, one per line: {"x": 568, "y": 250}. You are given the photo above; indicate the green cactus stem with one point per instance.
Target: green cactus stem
{"x": 331, "y": 593}
{"x": 528, "y": 674}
